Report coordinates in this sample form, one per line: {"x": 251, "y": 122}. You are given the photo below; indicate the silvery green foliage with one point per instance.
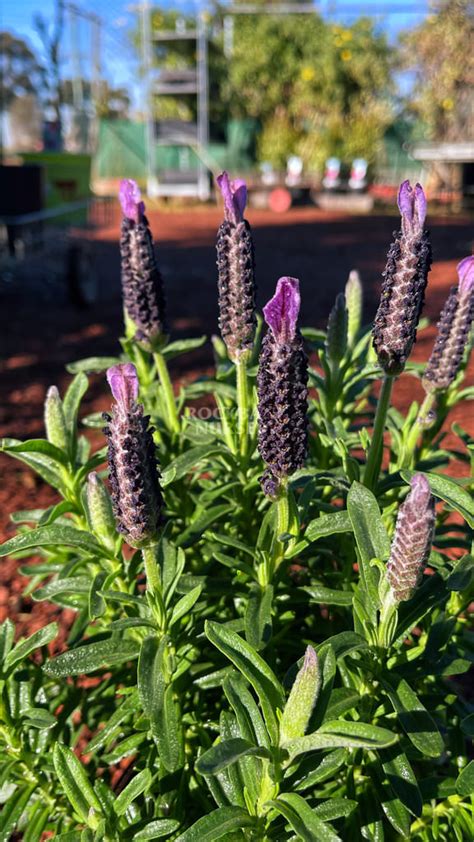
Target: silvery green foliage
{"x": 261, "y": 669}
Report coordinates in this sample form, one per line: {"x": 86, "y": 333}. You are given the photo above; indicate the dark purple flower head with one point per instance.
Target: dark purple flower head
{"x": 236, "y": 271}
{"x": 234, "y": 194}
{"x": 465, "y": 271}
{"x": 281, "y": 312}
{"x": 454, "y": 327}
{"x": 404, "y": 283}
{"x": 411, "y": 543}
{"x": 412, "y": 204}
{"x": 142, "y": 284}
{"x": 123, "y": 382}
{"x": 131, "y": 200}
{"x": 133, "y": 470}
{"x": 282, "y": 389}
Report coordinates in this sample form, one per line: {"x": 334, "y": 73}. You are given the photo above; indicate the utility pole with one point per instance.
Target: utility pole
{"x": 95, "y": 30}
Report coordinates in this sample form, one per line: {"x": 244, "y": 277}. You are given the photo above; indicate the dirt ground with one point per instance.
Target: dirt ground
{"x": 41, "y": 330}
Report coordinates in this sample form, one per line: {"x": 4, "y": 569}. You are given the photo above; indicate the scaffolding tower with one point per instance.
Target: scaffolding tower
{"x": 192, "y": 182}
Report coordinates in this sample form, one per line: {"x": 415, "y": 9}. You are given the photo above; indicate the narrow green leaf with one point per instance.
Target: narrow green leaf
{"x": 182, "y": 346}
{"x": 245, "y": 708}
{"x": 330, "y": 524}
{"x": 415, "y": 720}
{"x": 226, "y": 753}
{"x": 92, "y": 364}
{"x": 258, "y": 616}
{"x": 196, "y": 528}
{"x": 342, "y": 734}
{"x": 465, "y": 781}
{"x": 73, "y": 779}
{"x": 40, "y": 718}
{"x": 303, "y": 819}
{"x": 336, "y": 808}
{"x": 12, "y": 811}
{"x": 74, "y": 585}
{"x": 184, "y": 605}
{"x": 37, "y": 821}
{"x": 45, "y": 536}
{"x": 187, "y": 462}
{"x": 7, "y": 636}
{"x": 327, "y": 768}
{"x": 43, "y": 465}
{"x": 328, "y": 596}
{"x": 216, "y": 825}
{"x": 137, "y": 785}
{"x": 156, "y": 830}
{"x": 37, "y": 446}
{"x": 24, "y": 647}
{"x": 255, "y": 670}
{"x": 112, "y": 728}
{"x": 72, "y": 399}
{"x": 370, "y": 534}
{"x": 93, "y": 656}
{"x": 450, "y": 491}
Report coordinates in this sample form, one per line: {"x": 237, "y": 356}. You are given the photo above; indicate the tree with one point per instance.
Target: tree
{"x": 21, "y": 73}
{"x": 51, "y": 38}
{"x": 439, "y": 52}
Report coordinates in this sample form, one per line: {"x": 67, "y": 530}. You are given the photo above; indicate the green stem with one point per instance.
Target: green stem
{"x": 243, "y": 405}
{"x": 374, "y": 459}
{"x": 152, "y": 570}
{"x": 276, "y": 555}
{"x": 417, "y": 430}
{"x": 172, "y": 418}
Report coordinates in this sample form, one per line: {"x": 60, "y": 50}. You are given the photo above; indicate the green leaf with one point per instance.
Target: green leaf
{"x": 24, "y": 647}
{"x": 72, "y": 399}
{"x": 450, "y": 491}
{"x": 342, "y": 734}
{"x": 36, "y": 446}
{"x": 113, "y": 727}
{"x": 137, "y": 785}
{"x": 92, "y": 364}
{"x": 370, "y": 534}
{"x": 216, "y": 825}
{"x": 465, "y": 781}
{"x": 258, "y": 616}
{"x": 40, "y": 718}
{"x": 336, "y": 808}
{"x": 302, "y": 699}
{"x": 37, "y": 821}
{"x": 415, "y": 720}
{"x": 402, "y": 779}
{"x": 126, "y": 748}
{"x": 182, "y": 346}
{"x": 249, "y": 718}
{"x": 187, "y": 462}
{"x": 467, "y": 725}
{"x": 184, "y": 605}
{"x": 156, "y": 830}
{"x": 303, "y": 819}
{"x": 326, "y": 769}
{"x": 226, "y": 753}
{"x": 7, "y": 636}
{"x": 45, "y": 536}
{"x": 85, "y": 659}
{"x": 73, "y": 779}
{"x": 74, "y": 585}
{"x": 325, "y": 525}
{"x": 158, "y": 701}
{"x": 13, "y": 810}
{"x": 40, "y": 463}
{"x": 328, "y": 596}
{"x": 202, "y": 522}
{"x": 255, "y": 670}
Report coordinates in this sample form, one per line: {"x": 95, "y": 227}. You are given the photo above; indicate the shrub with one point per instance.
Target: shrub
{"x": 268, "y": 624}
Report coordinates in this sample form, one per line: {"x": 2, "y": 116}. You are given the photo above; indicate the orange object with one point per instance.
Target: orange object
{"x": 279, "y": 200}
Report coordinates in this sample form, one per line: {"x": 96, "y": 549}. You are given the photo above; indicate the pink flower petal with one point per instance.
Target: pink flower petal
{"x": 131, "y": 199}
{"x": 123, "y": 382}
{"x": 281, "y": 312}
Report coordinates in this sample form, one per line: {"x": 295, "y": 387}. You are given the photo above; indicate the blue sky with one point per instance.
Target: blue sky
{"x": 118, "y": 57}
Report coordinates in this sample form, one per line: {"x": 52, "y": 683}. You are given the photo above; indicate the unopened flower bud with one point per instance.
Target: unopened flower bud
{"x": 282, "y": 389}
{"x": 411, "y": 543}
{"x": 454, "y": 327}
{"x": 133, "y": 470}
{"x": 142, "y": 284}
{"x": 404, "y": 282}
{"x": 55, "y": 420}
{"x": 236, "y": 270}
{"x": 302, "y": 699}
{"x": 336, "y": 337}
{"x": 99, "y": 510}
{"x": 354, "y": 302}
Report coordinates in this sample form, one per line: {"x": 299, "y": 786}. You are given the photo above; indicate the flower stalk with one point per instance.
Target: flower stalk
{"x": 375, "y": 455}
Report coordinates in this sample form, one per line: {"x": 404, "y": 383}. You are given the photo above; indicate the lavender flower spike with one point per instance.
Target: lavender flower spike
{"x": 282, "y": 389}
{"x": 142, "y": 284}
{"x": 411, "y": 544}
{"x": 454, "y": 327}
{"x": 404, "y": 282}
{"x": 133, "y": 470}
{"x": 236, "y": 270}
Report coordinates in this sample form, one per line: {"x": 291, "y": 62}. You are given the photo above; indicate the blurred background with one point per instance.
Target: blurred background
{"x": 324, "y": 107}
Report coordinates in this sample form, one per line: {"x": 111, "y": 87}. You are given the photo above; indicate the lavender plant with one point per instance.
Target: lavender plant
{"x": 271, "y": 636}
